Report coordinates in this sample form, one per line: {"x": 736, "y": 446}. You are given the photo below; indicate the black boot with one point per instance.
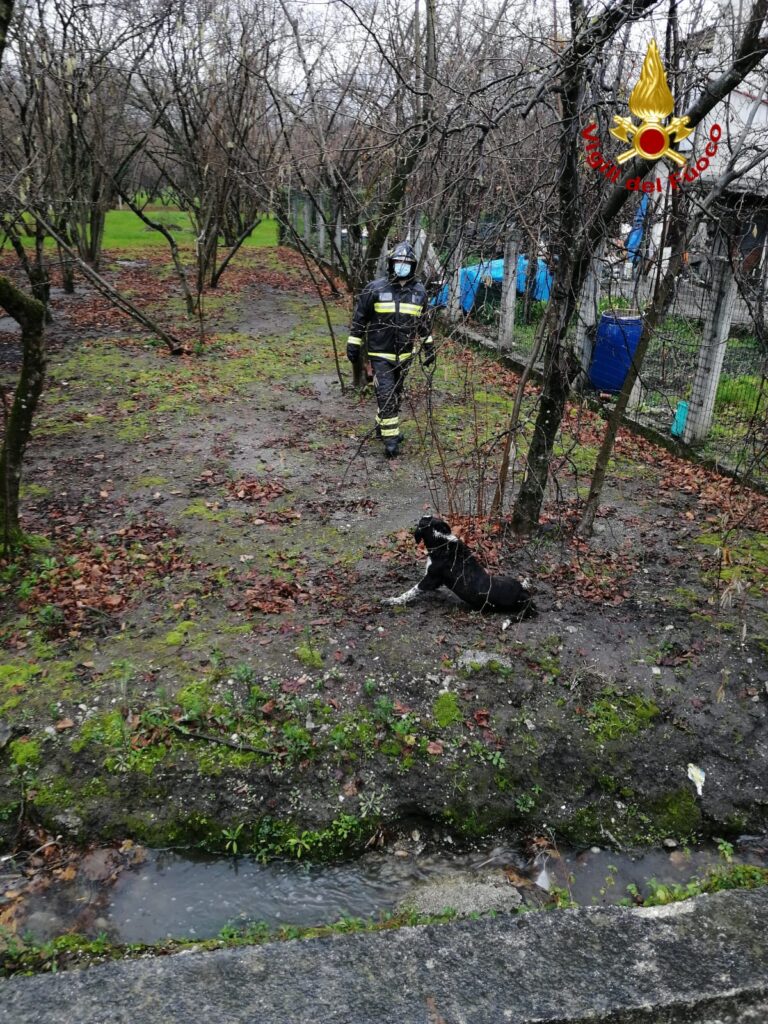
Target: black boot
{"x": 392, "y": 448}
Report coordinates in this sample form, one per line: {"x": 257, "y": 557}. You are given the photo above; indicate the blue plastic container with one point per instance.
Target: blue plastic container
{"x": 618, "y": 334}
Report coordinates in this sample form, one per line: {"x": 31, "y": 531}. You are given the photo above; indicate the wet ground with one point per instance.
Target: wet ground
{"x": 148, "y": 896}
{"x": 202, "y": 646}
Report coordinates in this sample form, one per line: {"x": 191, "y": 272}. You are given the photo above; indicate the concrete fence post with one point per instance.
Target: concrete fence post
{"x": 320, "y": 228}
{"x": 338, "y": 236}
{"x": 587, "y": 314}
{"x": 427, "y": 256}
{"x": 308, "y": 218}
{"x": 455, "y": 311}
{"x": 701, "y": 405}
{"x": 509, "y": 292}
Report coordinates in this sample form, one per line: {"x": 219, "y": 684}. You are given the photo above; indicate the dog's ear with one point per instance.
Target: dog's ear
{"x": 424, "y": 522}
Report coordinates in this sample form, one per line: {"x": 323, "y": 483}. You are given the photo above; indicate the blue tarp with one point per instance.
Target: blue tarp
{"x": 492, "y": 272}
{"x": 635, "y": 236}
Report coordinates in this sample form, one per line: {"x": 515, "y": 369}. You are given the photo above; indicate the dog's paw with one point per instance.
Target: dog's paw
{"x": 388, "y": 600}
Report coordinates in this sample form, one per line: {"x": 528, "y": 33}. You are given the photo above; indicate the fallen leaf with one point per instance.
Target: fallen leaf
{"x": 64, "y": 723}
{"x": 435, "y": 747}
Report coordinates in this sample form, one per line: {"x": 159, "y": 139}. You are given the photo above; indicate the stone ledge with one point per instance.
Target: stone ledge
{"x": 700, "y": 962}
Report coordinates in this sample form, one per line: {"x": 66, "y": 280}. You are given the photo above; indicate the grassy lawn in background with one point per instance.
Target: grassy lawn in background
{"x": 124, "y": 230}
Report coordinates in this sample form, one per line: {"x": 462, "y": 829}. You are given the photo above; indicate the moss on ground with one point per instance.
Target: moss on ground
{"x": 615, "y": 714}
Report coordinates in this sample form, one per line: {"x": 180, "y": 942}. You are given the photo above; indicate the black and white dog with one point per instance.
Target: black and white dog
{"x": 451, "y": 564}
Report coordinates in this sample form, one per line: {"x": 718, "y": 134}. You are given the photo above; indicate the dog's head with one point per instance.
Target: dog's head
{"x": 432, "y": 531}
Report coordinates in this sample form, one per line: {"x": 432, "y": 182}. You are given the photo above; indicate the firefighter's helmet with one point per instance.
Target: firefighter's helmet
{"x": 401, "y": 261}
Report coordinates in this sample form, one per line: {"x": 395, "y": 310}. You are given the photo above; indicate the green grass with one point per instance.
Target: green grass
{"x": 125, "y": 231}
{"x": 740, "y": 395}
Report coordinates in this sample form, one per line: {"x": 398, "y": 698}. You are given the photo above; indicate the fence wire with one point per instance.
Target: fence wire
{"x": 737, "y": 439}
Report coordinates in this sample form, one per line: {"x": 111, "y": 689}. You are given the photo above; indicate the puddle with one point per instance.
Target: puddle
{"x": 163, "y": 894}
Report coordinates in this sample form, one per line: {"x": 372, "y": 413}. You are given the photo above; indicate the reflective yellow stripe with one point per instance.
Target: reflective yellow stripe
{"x": 354, "y": 341}
{"x": 384, "y": 307}
{"x": 411, "y": 308}
{"x": 391, "y": 422}
{"x": 390, "y": 433}
{"x": 390, "y": 356}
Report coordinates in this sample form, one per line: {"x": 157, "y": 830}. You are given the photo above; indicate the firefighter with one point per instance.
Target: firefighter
{"x": 393, "y": 310}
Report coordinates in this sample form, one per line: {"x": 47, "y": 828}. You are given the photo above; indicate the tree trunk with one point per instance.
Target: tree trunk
{"x": 67, "y": 272}
{"x": 6, "y": 12}
{"x": 30, "y": 315}
{"x": 36, "y": 269}
{"x": 95, "y": 240}
{"x": 652, "y": 319}
{"x": 554, "y": 396}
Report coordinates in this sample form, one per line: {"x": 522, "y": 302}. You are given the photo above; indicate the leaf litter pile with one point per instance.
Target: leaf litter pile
{"x": 89, "y": 582}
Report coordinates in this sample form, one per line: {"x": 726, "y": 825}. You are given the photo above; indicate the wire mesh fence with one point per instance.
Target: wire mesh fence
{"x": 737, "y": 437}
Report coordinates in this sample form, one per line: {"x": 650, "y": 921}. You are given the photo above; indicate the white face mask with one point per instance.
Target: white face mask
{"x": 402, "y": 269}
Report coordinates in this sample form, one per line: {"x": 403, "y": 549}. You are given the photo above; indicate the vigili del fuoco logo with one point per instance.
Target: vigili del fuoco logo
{"x": 652, "y": 103}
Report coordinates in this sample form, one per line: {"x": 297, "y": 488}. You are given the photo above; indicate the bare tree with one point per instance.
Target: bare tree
{"x": 18, "y": 412}
{"x": 212, "y": 140}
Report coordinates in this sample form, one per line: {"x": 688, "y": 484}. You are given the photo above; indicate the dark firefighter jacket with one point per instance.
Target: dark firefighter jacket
{"x": 395, "y": 314}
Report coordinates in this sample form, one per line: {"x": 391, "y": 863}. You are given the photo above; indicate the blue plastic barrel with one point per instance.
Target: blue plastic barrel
{"x": 618, "y": 334}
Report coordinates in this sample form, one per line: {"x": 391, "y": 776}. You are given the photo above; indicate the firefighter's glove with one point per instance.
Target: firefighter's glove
{"x": 429, "y": 356}
{"x": 353, "y": 353}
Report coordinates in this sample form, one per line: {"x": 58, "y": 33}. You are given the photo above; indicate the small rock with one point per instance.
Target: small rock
{"x": 669, "y": 844}
{"x": 44, "y": 925}
{"x": 473, "y": 659}
{"x": 68, "y": 821}
{"x": 466, "y": 894}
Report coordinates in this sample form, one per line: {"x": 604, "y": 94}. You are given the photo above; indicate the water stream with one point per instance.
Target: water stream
{"x": 167, "y": 894}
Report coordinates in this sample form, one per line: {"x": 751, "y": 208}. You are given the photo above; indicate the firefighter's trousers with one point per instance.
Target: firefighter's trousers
{"x": 389, "y": 380}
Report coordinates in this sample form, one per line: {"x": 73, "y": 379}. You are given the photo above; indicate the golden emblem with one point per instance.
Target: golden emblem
{"x": 651, "y": 101}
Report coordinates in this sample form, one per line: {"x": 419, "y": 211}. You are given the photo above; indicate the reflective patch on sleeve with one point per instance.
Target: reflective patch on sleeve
{"x": 352, "y": 340}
